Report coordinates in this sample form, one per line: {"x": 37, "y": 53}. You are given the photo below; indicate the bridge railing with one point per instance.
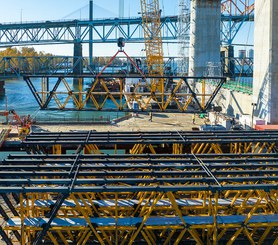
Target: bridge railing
{"x": 18, "y": 66}
{"x": 49, "y": 65}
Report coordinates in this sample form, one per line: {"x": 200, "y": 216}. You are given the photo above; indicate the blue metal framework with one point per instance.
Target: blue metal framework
{"x": 232, "y": 25}
{"x": 104, "y": 30}
{"x": 49, "y": 65}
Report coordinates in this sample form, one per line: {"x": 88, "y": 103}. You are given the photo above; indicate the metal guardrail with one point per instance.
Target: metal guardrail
{"x": 71, "y": 120}
{"x": 18, "y": 66}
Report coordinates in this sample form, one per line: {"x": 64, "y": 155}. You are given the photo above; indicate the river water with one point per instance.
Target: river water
{"x": 19, "y": 97}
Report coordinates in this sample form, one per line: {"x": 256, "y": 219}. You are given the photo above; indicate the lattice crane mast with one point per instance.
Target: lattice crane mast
{"x": 237, "y": 7}
{"x": 153, "y": 42}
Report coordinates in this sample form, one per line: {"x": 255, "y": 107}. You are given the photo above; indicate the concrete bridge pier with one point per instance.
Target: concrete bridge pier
{"x": 265, "y": 84}
{"x": 77, "y": 61}
{"x": 204, "y": 35}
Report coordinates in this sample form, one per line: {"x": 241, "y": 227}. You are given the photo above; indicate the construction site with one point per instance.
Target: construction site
{"x": 190, "y": 159}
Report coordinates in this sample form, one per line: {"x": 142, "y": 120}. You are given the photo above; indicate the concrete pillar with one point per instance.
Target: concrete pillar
{"x": 77, "y": 60}
{"x": 91, "y": 17}
{"x": 265, "y": 83}
{"x": 227, "y": 55}
{"x": 205, "y": 20}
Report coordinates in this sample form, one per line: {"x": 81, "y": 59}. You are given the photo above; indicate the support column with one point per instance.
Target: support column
{"x": 77, "y": 61}
{"x": 227, "y": 55}
{"x": 265, "y": 83}
{"x": 91, "y": 16}
{"x": 204, "y": 35}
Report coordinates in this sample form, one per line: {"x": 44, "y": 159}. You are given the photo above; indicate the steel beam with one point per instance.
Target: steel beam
{"x": 54, "y": 32}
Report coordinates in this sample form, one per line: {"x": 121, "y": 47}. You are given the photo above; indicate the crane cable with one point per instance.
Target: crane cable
{"x": 202, "y": 164}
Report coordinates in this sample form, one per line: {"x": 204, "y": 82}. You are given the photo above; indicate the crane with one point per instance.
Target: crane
{"x": 153, "y": 42}
{"x": 24, "y": 124}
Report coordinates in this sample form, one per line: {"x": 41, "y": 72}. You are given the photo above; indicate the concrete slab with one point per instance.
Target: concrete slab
{"x": 160, "y": 122}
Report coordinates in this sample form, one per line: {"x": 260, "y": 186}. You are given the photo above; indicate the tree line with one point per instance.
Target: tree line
{"x": 27, "y": 59}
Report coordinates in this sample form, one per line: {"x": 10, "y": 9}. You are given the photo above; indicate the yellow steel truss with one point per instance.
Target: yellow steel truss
{"x": 68, "y": 95}
{"x": 196, "y": 148}
{"x": 156, "y": 217}
{"x": 145, "y": 198}
{"x": 153, "y": 41}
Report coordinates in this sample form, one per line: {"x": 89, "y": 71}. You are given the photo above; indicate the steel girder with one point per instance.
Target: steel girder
{"x": 122, "y": 198}
{"x": 192, "y": 141}
{"x": 105, "y": 30}
{"x": 50, "y": 65}
{"x": 176, "y": 99}
{"x": 231, "y": 27}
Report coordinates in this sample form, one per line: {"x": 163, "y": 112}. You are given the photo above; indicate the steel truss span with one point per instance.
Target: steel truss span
{"x": 104, "y": 30}
{"x": 140, "y": 198}
{"x": 14, "y": 67}
{"x": 172, "y": 142}
{"x": 177, "y": 96}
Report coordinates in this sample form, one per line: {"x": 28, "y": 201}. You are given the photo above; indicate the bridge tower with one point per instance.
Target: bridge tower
{"x": 265, "y": 86}
{"x": 204, "y": 35}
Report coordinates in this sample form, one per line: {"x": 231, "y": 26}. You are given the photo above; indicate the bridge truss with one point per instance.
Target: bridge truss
{"x": 51, "y": 65}
{"x": 238, "y": 12}
{"x": 170, "y": 188}
{"x": 61, "y": 92}
{"x": 104, "y": 31}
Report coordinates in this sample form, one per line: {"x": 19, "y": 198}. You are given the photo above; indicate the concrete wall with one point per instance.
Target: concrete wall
{"x": 204, "y": 35}
{"x": 265, "y": 88}
{"x": 233, "y": 103}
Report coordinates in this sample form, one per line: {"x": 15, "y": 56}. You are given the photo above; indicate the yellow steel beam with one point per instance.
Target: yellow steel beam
{"x": 152, "y": 149}
{"x": 169, "y": 237}
{"x": 247, "y": 234}
{"x": 52, "y": 238}
{"x": 234, "y": 237}
{"x": 215, "y": 213}
{"x": 175, "y": 206}
{"x": 180, "y": 236}
{"x": 276, "y": 241}
{"x": 84, "y": 242}
{"x": 250, "y": 214}
{"x": 147, "y": 239}
{"x": 91, "y": 149}
{"x": 87, "y": 219}
{"x": 106, "y": 237}
{"x": 145, "y": 218}
{"x": 22, "y": 216}
{"x": 242, "y": 206}
{"x": 57, "y": 149}
{"x": 62, "y": 237}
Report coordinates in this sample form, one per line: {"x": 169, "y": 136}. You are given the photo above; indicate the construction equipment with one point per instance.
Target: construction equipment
{"x": 153, "y": 42}
{"x": 23, "y": 124}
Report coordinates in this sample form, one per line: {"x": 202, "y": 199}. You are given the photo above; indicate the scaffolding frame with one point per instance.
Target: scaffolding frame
{"x": 147, "y": 198}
